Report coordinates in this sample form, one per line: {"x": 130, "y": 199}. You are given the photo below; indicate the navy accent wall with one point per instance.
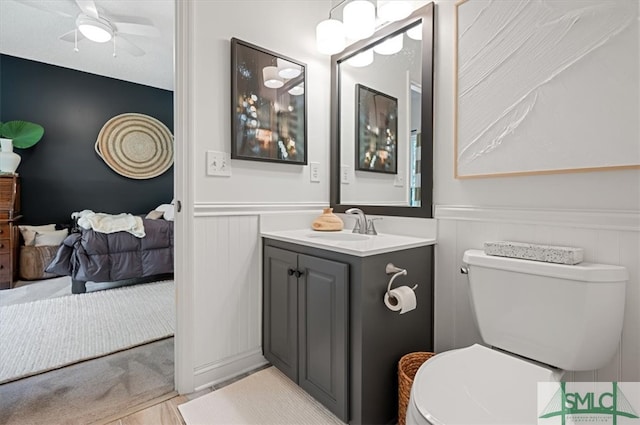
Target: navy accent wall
{"x": 63, "y": 173}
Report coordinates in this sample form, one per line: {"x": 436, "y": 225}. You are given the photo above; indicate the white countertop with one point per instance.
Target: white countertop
{"x": 347, "y": 242}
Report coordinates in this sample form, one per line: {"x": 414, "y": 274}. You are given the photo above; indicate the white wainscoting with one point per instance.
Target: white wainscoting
{"x": 227, "y": 303}
{"x": 610, "y": 237}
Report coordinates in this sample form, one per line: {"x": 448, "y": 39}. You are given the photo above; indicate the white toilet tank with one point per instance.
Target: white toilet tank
{"x": 567, "y": 316}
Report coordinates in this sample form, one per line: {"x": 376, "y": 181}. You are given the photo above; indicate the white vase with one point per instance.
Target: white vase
{"x": 9, "y": 160}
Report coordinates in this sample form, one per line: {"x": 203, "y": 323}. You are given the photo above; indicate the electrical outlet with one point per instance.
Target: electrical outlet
{"x": 218, "y": 164}
{"x": 314, "y": 171}
{"x": 345, "y": 173}
{"x": 399, "y": 180}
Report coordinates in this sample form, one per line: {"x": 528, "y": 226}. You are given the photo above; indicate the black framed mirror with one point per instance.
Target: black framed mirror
{"x": 396, "y": 62}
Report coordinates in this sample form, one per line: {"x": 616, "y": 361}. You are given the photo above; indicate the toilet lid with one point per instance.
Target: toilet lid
{"x": 478, "y": 385}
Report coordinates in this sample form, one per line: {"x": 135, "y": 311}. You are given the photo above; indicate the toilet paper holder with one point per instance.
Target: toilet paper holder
{"x": 397, "y": 271}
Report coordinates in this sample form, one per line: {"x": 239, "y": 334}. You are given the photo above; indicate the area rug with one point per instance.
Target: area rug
{"x": 266, "y": 397}
{"x": 94, "y": 391}
{"x": 47, "y": 334}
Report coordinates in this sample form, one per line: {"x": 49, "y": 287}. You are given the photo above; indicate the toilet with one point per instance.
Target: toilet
{"x": 540, "y": 320}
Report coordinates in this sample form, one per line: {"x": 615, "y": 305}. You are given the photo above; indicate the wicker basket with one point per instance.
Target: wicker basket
{"x": 33, "y": 261}
{"x": 407, "y": 368}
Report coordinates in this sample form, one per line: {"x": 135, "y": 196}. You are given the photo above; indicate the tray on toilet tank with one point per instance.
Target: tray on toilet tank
{"x": 529, "y": 251}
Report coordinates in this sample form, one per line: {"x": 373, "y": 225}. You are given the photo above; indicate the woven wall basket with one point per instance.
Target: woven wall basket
{"x": 136, "y": 146}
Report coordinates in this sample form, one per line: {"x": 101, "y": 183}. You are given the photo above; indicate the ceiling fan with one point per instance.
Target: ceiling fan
{"x": 95, "y": 24}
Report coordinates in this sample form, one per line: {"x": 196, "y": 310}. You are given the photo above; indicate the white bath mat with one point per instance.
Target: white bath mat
{"x": 266, "y": 397}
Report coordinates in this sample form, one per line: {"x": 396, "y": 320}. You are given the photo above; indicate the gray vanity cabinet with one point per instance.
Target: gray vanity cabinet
{"x": 330, "y": 331}
{"x": 305, "y": 324}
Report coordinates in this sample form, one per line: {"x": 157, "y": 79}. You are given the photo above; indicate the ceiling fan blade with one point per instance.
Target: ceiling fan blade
{"x": 127, "y": 46}
{"x": 136, "y": 29}
{"x": 71, "y": 36}
{"x": 46, "y": 6}
{"x": 88, "y": 7}
{"x": 134, "y": 25}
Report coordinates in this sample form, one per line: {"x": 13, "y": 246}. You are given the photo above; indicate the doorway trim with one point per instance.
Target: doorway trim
{"x": 184, "y": 255}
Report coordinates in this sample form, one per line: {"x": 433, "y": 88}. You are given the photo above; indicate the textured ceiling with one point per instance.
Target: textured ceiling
{"x": 31, "y": 33}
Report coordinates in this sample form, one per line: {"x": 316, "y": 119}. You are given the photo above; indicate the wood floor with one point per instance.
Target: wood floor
{"x": 165, "y": 412}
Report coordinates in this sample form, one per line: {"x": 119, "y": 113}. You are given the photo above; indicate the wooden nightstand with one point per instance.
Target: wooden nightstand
{"x": 9, "y": 233}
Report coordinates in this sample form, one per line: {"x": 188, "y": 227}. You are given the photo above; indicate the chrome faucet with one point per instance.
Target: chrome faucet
{"x": 363, "y": 225}
{"x": 361, "y": 221}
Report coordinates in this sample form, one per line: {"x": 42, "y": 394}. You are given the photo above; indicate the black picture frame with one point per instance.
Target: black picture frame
{"x": 376, "y": 131}
{"x": 268, "y": 122}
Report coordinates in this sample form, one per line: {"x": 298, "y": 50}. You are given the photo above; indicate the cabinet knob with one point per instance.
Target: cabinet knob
{"x": 291, "y": 272}
{"x": 298, "y": 273}
{"x": 1, "y": 266}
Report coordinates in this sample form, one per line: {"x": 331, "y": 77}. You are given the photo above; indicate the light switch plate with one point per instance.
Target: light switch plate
{"x": 345, "y": 172}
{"x": 218, "y": 164}
{"x": 314, "y": 171}
{"x": 399, "y": 180}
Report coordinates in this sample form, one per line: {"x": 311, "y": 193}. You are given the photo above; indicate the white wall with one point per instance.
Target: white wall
{"x": 599, "y": 211}
{"x": 267, "y": 24}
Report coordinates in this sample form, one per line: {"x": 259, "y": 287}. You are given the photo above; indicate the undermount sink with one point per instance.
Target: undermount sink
{"x": 339, "y": 236}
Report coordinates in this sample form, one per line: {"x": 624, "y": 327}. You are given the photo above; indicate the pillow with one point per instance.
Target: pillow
{"x": 29, "y": 232}
{"x": 54, "y": 238}
{"x": 168, "y": 211}
{"x": 154, "y": 215}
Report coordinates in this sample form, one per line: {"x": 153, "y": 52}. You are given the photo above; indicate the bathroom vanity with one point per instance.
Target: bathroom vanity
{"x": 325, "y": 324}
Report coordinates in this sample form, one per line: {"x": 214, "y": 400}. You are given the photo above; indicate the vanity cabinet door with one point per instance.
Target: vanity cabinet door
{"x": 323, "y": 336}
{"x": 306, "y": 323}
{"x": 280, "y": 310}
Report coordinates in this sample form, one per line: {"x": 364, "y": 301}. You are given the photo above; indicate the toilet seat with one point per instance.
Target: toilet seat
{"x": 477, "y": 385}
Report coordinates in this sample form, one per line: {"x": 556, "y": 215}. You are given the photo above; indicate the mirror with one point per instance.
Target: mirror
{"x": 382, "y": 120}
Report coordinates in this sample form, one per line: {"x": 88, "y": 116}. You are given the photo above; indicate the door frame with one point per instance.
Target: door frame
{"x": 184, "y": 255}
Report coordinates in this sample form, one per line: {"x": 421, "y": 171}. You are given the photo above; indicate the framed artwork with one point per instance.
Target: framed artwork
{"x": 268, "y": 105}
{"x": 376, "y": 131}
{"x": 525, "y": 106}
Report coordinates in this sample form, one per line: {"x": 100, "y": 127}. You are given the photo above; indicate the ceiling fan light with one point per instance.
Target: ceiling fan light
{"x": 288, "y": 69}
{"x": 390, "y": 46}
{"x": 271, "y": 77}
{"x": 361, "y": 59}
{"x": 330, "y": 37}
{"x": 94, "y": 29}
{"x": 393, "y": 10}
{"x": 359, "y": 19}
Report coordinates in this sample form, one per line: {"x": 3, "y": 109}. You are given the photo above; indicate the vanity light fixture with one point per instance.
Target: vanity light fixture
{"x": 271, "y": 77}
{"x": 393, "y": 10}
{"x": 359, "y": 19}
{"x": 330, "y": 37}
{"x": 389, "y": 46}
{"x": 361, "y": 59}
{"x": 288, "y": 70}
{"x": 297, "y": 90}
{"x": 415, "y": 33}
{"x": 359, "y": 22}
{"x": 95, "y": 29}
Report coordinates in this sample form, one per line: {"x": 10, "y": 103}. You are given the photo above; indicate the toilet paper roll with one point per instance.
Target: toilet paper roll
{"x": 402, "y": 299}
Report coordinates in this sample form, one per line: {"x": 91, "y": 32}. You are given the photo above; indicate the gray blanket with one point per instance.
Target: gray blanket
{"x": 101, "y": 257}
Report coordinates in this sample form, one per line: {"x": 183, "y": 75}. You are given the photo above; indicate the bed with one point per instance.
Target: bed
{"x": 90, "y": 256}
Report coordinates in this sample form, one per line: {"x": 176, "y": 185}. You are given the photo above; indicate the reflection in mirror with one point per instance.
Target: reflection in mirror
{"x": 379, "y": 147}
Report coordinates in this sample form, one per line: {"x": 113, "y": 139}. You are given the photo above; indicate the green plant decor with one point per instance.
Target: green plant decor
{"x": 23, "y": 133}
